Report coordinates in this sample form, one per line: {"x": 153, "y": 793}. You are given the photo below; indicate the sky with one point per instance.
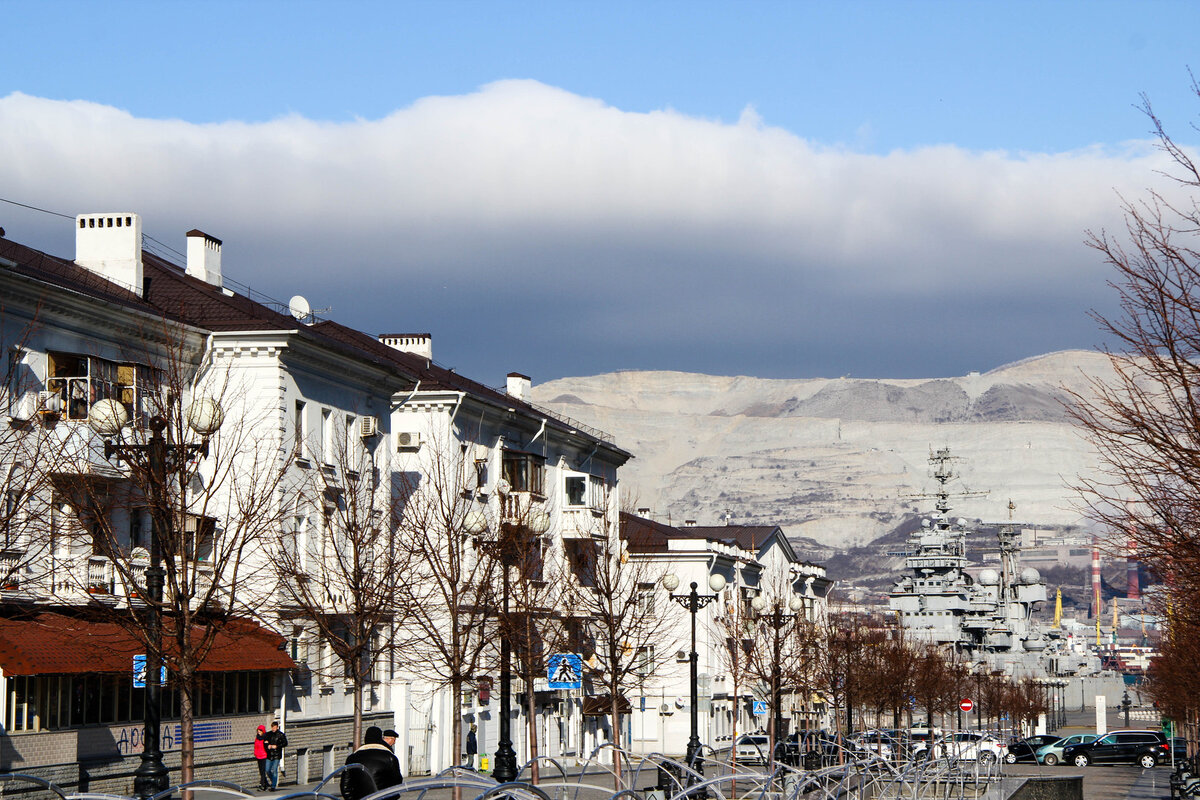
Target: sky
{"x": 782, "y": 190}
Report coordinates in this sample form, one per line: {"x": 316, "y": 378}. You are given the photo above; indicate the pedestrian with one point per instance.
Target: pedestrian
{"x": 389, "y": 738}
{"x": 275, "y": 741}
{"x": 260, "y": 755}
{"x": 472, "y": 747}
{"x": 377, "y": 768}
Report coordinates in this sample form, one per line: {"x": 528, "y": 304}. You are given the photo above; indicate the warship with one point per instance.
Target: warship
{"x": 985, "y": 614}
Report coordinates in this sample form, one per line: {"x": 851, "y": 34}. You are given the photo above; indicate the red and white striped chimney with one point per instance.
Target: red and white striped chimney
{"x": 1097, "y": 609}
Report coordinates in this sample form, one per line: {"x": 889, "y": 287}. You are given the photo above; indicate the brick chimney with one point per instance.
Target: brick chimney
{"x": 204, "y": 257}
{"x": 110, "y": 245}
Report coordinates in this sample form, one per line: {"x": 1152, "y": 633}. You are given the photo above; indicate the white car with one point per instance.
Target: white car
{"x": 876, "y": 743}
{"x": 965, "y": 746}
{"x": 752, "y": 748}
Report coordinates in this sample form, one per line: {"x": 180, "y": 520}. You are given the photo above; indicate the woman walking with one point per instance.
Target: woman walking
{"x": 260, "y": 755}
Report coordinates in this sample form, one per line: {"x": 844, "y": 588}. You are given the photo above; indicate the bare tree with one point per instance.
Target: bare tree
{"x": 444, "y": 528}
{"x": 211, "y": 507}
{"x": 629, "y": 618}
{"x": 737, "y": 638}
{"x": 534, "y": 625}
{"x": 339, "y": 564}
{"x": 30, "y": 456}
{"x": 784, "y": 649}
{"x": 1145, "y": 421}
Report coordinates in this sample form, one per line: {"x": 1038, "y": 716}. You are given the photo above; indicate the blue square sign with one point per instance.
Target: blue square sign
{"x": 565, "y": 671}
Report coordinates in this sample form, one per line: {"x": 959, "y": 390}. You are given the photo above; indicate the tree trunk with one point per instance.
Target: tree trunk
{"x": 531, "y": 727}
{"x": 616, "y": 741}
{"x": 358, "y": 708}
{"x": 187, "y": 741}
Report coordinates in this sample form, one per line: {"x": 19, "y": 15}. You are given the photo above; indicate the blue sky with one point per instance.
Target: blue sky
{"x": 884, "y": 189}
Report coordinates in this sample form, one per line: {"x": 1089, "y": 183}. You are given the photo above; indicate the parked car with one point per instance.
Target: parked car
{"x": 1146, "y": 748}
{"x": 878, "y": 743}
{"x": 752, "y": 748}
{"x": 1052, "y": 753}
{"x": 1026, "y": 749}
{"x": 963, "y": 746}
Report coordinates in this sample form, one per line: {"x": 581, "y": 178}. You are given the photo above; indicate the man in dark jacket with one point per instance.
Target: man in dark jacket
{"x": 379, "y": 768}
{"x": 275, "y": 741}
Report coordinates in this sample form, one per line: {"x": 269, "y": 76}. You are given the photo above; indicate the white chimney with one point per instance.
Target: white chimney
{"x": 520, "y": 386}
{"x": 111, "y": 246}
{"x": 204, "y": 257}
{"x": 419, "y": 344}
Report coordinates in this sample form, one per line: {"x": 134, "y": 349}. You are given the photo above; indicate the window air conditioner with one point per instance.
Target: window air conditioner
{"x": 682, "y": 655}
{"x": 368, "y": 427}
{"x": 408, "y": 441}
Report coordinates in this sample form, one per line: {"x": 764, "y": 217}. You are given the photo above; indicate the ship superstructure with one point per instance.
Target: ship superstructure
{"x": 988, "y": 616}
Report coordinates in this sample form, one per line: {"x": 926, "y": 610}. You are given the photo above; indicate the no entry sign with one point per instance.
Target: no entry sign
{"x": 965, "y": 704}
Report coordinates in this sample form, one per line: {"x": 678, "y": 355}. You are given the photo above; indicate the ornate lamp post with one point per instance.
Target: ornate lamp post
{"x": 693, "y": 602}
{"x": 155, "y": 461}
{"x": 777, "y": 620}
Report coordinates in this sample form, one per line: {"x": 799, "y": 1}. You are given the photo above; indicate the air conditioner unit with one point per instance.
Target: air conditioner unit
{"x": 49, "y": 403}
{"x": 481, "y": 452}
{"x": 681, "y": 655}
{"x": 368, "y": 427}
{"x": 408, "y": 441}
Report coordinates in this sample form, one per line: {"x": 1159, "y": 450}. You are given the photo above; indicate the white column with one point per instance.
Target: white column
{"x": 1101, "y": 715}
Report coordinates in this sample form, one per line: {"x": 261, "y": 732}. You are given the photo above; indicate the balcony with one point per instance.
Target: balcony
{"x": 583, "y": 523}
{"x": 11, "y": 568}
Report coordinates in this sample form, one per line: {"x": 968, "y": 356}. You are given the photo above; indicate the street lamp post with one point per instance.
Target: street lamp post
{"x": 777, "y": 620}
{"x": 155, "y": 460}
{"x": 693, "y": 602}
{"x": 507, "y": 550}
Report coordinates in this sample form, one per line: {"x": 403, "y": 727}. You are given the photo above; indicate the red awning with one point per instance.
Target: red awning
{"x": 51, "y": 643}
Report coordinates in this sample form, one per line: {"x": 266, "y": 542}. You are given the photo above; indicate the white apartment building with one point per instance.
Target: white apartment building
{"x": 752, "y": 561}
{"x": 296, "y": 392}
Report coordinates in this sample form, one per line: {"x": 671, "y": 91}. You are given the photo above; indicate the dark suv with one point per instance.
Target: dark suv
{"x": 1145, "y": 748}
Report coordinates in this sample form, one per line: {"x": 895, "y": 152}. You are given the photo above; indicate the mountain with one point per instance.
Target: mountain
{"x": 842, "y": 461}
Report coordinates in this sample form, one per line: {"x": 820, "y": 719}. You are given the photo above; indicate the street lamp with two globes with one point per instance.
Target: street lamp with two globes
{"x": 154, "y": 461}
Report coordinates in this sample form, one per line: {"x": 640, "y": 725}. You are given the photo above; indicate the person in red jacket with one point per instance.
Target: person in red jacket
{"x": 260, "y": 755}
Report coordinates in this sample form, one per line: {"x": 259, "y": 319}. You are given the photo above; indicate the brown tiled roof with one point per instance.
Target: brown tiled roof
{"x": 59, "y": 643}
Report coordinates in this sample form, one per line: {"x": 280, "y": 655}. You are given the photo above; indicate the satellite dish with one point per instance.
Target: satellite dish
{"x": 299, "y": 308}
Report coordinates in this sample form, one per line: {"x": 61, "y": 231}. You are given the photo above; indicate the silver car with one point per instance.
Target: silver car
{"x": 1051, "y": 754}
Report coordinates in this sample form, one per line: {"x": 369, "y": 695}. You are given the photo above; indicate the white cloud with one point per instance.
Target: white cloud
{"x": 525, "y": 185}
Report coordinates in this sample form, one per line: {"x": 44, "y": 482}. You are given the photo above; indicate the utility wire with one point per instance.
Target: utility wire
{"x": 35, "y": 208}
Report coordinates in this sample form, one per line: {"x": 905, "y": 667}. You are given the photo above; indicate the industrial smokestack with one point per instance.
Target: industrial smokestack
{"x": 1097, "y": 609}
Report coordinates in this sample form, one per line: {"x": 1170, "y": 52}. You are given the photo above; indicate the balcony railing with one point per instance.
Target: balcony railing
{"x": 100, "y": 576}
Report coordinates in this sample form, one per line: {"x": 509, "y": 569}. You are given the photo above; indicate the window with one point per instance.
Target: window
{"x": 299, "y": 450}
{"x": 327, "y": 444}
{"x": 576, "y": 490}
{"x": 645, "y": 604}
{"x": 351, "y": 443}
{"x": 57, "y": 702}
{"x": 81, "y": 381}
{"x": 598, "y": 493}
{"x": 137, "y": 530}
{"x": 645, "y": 660}
{"x": 524, "y": 472}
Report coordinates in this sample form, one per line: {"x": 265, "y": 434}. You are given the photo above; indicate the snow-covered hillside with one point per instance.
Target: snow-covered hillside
{"x": 840, "y": 460}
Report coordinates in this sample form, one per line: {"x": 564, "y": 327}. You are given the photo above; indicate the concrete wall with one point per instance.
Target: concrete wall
{"x": 314, "y": 747}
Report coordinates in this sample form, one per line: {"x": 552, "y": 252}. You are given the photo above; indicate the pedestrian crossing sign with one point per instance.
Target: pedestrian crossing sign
{"x": 565, "y": 671}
